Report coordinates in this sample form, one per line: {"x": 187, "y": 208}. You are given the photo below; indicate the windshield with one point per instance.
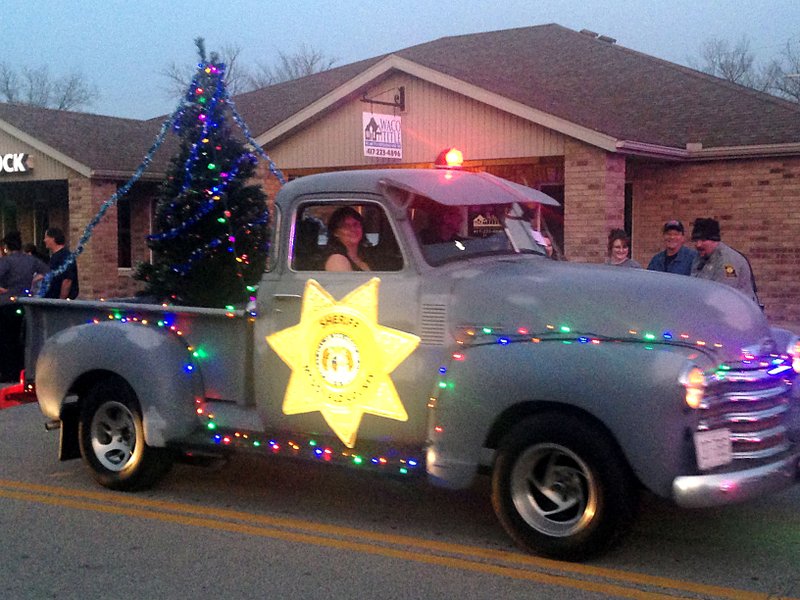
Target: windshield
{"x": 451, "y": 233}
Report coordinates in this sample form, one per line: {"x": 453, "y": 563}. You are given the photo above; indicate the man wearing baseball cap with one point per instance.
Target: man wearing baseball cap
{"x": 675, "y": 258}
{"x": 717, "y": 261}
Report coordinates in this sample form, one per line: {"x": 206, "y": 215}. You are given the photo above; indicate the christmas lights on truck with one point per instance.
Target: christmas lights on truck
{"x": 408, "y": 321}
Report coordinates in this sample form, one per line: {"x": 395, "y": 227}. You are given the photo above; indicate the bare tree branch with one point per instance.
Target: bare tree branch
{"x": 236, "y": 78}
{"x": 737, "y": 64}
{"x": 787, "y": 85}
{"x": 37, "y": 87}
{"x": 72, "y": 92}
{"x": 9, "y": 84}
{"x": 305, "y": 61}
{"x": 239, "y": 79}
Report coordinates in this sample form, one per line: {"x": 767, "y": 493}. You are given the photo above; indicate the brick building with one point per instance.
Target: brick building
{"x": 621, "y": 138}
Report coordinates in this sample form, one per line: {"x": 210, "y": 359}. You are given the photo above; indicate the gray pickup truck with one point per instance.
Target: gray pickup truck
{"x": 575, "y": 386}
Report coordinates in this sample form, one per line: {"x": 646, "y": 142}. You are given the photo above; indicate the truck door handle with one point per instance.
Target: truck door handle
{"x": 281, "y": 298}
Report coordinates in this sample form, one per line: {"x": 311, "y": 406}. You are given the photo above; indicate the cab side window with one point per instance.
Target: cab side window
{"x": 314, "y": 241}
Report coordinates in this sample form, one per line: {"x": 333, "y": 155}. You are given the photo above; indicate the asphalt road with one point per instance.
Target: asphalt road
{"x": 260, "y": 528}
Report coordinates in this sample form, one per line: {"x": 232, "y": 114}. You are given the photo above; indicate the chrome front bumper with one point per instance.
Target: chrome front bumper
{"x": 697, "y": 491}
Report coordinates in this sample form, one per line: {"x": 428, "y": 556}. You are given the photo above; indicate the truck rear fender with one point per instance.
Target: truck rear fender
{"x": 629, "y": 391}
{"x": 156, "y": 363}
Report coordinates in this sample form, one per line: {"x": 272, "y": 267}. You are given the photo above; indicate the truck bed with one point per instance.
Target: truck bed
{"x": 221, "y": 339}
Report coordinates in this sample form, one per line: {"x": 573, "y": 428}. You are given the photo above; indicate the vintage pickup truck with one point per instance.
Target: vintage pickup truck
{"x": 576, "y": 386}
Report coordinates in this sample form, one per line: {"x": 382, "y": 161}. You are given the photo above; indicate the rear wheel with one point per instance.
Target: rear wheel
{"x": 111, "y": 434}
{"x": 561, "y": 488}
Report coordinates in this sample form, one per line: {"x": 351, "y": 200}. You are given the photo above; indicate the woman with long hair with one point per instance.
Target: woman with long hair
{"x": 346, "y": 243}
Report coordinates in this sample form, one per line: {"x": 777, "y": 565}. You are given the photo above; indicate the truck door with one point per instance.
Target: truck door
{"x": 307, "y": 244}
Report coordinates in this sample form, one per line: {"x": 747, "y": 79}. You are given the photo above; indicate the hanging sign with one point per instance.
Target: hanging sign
{"x": 382, "y": 135}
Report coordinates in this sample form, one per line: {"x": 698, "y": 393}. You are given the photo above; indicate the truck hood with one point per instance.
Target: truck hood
{"x": 545, "y": 297}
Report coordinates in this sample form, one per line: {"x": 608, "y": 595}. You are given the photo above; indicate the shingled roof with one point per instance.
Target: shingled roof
{"x": 99, "y": 143}
{"x": 611, "y": 89}
{"x": 585, "y": 80}
{"x": 580, "y": 78}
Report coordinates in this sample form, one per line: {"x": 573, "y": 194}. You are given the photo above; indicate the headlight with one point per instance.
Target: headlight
{"x": 794, "y": 351}
{"x": 694, "y": 382}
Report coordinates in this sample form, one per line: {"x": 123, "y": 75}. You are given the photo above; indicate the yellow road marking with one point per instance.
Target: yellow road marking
{"x": 322, "y": 535}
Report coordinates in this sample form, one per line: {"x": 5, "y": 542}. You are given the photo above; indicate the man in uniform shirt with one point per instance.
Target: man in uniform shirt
{"x": 675, "y": 258}
{"x": 719, "y": 262}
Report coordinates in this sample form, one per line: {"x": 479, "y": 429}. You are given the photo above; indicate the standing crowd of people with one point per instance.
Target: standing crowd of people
{"x": 711, "y": 259}
{"x": 22, "y": 272}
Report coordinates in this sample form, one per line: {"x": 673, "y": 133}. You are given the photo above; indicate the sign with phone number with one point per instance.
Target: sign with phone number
{"x": 383, "y": 136}
{"x": 390, "y": 152}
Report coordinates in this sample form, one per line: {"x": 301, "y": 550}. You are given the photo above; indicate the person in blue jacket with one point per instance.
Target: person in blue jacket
{"x": 675, "y": 258}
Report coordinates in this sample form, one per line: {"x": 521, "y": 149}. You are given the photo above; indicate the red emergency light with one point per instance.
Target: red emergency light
{"x": 449, "y": 158}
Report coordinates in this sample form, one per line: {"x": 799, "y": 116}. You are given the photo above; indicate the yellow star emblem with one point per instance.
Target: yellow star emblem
{"x": 341, "y": 359}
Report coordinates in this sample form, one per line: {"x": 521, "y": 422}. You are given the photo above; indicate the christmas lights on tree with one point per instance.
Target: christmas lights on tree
{"x": 211, "y": 238}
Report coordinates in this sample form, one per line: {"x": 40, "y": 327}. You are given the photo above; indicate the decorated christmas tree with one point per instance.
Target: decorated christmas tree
{"x": 210, "y": 235}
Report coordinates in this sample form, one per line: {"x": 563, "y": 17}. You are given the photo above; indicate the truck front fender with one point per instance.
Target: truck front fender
{"x": 630, "y": 391}
{"x": 155, "y": 362}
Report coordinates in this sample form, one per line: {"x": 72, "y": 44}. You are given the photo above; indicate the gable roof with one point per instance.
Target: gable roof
{"x": 640, "y": 102}
{"x": 581, "y": 85}
{"x": 610, "y": 89}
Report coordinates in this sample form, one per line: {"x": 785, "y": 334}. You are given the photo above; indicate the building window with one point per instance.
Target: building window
{"x": 124, "y": 233}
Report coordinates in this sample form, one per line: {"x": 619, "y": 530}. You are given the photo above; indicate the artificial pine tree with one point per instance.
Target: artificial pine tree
{"x": 211, "y": 237}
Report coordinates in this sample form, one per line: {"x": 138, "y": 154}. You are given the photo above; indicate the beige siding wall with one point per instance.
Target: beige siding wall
{"x": 434, "y": 118}
{"x": 44, "y": 167}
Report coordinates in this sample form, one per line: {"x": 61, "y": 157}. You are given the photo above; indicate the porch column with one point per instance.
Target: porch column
{"x": 97, "y": 266}
{"x": 594, "y": 200}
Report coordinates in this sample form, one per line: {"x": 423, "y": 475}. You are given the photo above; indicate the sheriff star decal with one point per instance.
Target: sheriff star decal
{"x": 341, "y": 359}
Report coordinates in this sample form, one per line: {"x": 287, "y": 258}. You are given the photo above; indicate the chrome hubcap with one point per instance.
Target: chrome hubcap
{"x": 113, "y": 435}
{"x": 553, "y": 490}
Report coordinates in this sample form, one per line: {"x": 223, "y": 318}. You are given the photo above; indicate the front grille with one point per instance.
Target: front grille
{"x": 754, "y": 406}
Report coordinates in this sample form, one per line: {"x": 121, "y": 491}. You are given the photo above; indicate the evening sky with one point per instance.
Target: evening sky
{"x": 123, "y": 47}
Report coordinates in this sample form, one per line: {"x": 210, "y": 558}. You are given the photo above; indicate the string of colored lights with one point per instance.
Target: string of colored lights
{"x": 401, "y": 461}
{"x": 216, "y": 194}
{"x": 171, "y": 122}
{"x": 207, "y": 123}
{"x": 369, "y": 456}
{"x": 396, "y": 460}
{"x": 201, "y": 252}
{"x": 166, "y": 323}
{"x": 487, "y": 334}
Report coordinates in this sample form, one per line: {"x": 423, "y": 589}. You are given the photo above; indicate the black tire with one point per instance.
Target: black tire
{"x": 561, "y": 488}
{"x": 111, "y": 435}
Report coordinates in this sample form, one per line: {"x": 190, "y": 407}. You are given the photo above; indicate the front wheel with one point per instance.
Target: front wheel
{"x": 111, "y": 434}
{"x": 561, "y": 487}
